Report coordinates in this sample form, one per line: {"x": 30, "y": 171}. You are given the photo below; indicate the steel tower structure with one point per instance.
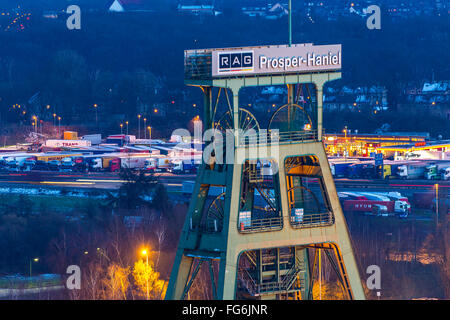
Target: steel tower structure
{"x": 279, "y": 212}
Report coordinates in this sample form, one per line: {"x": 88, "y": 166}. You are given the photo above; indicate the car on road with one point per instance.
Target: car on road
{"x": 54, "y": 165}
{"x": 40, "y": 166}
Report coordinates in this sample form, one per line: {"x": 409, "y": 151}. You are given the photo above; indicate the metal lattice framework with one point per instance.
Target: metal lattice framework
{"x": 247, "y": 121}
{"x": 215, "y": 213}
{"x": 290, "y": 118}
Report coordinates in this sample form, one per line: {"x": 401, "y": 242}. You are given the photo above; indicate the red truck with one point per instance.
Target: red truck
{"x": 374, "y": 203}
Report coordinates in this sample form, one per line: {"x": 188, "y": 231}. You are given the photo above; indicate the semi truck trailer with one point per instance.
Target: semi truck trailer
{"x": 412, "y": 170}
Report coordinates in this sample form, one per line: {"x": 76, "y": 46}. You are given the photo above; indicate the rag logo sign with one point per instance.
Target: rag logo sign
{"x": 235, "y": 62}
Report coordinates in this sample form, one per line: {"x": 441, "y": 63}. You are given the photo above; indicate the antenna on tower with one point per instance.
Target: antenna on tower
{"x": 290, "y": 23}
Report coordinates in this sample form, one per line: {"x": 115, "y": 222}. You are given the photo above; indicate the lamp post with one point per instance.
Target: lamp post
{"x": 35, "y": 124}
{"x": 96, "y": 117}
{"x": 345, "y": 142}
{"x": 290, "y": 23}
{"x": 54, "y": 120}
{"x": 139, "y": 126}
{"x": 144, "y": 252}
{"x": 145, "y": 132}
{"x": 31, "y": 264}
{"x": 59, "y": 126}
{"x": 149, "y": 132}
{"x": 126, "y": 122}
{"x": 121, "y": 128}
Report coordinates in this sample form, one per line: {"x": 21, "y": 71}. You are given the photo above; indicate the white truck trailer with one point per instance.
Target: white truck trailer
{"x": 412, "y": 170}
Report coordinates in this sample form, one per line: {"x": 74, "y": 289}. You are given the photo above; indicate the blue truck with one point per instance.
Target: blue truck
{"x": 339, "y": 169}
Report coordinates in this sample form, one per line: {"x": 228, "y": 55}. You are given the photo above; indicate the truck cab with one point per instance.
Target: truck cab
{"x": 114, "y": 165}
{"x": 431, "y": 172}
{"x": 445, "y": 173}
{"x": 80, "y": 164}
{"x": 67, "y": 164}
{"x": 95, "y": 164}
{"x": 403, "y": 171}
{"x": 150, "y": 165}
{"x": 387, "y": 171}
{"x": 182, "y": 166}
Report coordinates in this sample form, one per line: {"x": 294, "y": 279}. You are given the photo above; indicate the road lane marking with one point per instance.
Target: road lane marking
{"x": 95, "y": 180}
{"x": 67, "y": 182}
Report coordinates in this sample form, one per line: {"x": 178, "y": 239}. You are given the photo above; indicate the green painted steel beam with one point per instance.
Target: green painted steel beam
{"x": 267, "y": 80}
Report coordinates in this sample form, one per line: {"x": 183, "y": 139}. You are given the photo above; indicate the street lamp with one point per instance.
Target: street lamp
{"x": 144, "y": 252}
{"x": 126, "y": 122}
{"x": 139, "y": 126}
{"x": 145, "y": 132}
{"x": 31, "y": 264}
{"x": 96, "y": 118}
{"x": 35, "y": 123}
{"x": 121, "y": 128}
{"x": 345, "y": 142}
{"x": 59, "y": 126}
{"x": 54, "y": 120}
{"x": 149, "y": 132}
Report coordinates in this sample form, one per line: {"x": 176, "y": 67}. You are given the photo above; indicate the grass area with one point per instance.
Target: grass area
{"x": 28, "y": 283}
{"x": 63, "y": 204}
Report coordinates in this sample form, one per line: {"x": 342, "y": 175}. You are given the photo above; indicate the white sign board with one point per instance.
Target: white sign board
{"x": 298, "y": 214}
{"x": 245, "y": 219}
{"x": 276, "y": 59}
{"x": 67, "y": 143}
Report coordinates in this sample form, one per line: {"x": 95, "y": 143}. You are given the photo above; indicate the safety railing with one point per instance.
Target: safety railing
{"x": 312, "y": 220}
{"x": 207, "y": 226}
{"x": 258, "y": 225}
{"x": 277, "y": 137}
{"x": 248, "y": 282}
{"x": 291, "y": 275}
{"x": 256, "y": 176}
{"x": 284, "y": 285}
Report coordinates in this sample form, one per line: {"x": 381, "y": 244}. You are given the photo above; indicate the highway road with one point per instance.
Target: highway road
{"x": 106, "y": 180}
{"x": 97, "y": 180}
{"x": 111, "y": 181}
